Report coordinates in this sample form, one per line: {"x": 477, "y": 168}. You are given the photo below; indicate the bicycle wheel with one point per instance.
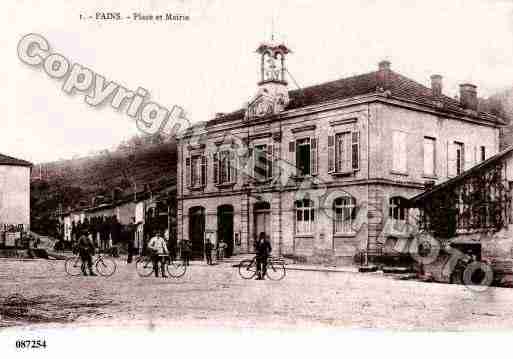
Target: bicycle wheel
{"x": 247, "y": 269}
{"x": 144, "y": 266}
{"x": 275, "y": 270}
{"x": 105, "y": 266}
{"x": 175, "y": 269}
{"x": 73, "y": 266}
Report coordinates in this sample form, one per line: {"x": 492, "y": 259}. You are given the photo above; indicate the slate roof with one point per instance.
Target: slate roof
{"x": 11, "y": 161}
{"x": 400, "y": 87}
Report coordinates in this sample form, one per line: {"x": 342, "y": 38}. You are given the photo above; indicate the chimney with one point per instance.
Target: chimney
{"x": 468, "y": 96}
{"x": 383, "y": 74}
{"x": 384, "y": 65}
{"x": 436, "y": 85}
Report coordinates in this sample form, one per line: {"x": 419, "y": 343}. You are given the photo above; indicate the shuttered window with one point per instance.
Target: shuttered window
{"x": 399, "y": 152}
{"x": 263, "y": 162}
{"x": 303, "y": 157}
{"x": 429, "y": 156}
{"x": 344, "y": 152}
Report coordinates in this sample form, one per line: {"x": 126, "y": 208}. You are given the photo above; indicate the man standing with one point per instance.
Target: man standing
{"x": 209, "y": 246}
{"x": 86, "y": 251}
{"x": 186, "y": 249}
{"x": 263, "y": 251}
{"x": 132, "y": 228}
{"x": 158, "y": 247}
{"x": 221, "y": 249}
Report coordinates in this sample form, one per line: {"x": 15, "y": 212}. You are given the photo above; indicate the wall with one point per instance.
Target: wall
{"x": 125, "y": 212}
{"x": 15, "y": 195}
{"x": 419, "y": 124}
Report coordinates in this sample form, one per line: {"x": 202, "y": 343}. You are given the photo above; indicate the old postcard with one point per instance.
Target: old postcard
{"x": 232, "y": 178}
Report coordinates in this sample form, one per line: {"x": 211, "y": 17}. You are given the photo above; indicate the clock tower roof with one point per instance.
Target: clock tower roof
{"x": 273, "y": 47}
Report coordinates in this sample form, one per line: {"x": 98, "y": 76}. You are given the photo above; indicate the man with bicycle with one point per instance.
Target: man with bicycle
{"x": 263, "y": 251}
{"x": 86, "y": 251}
{"x": 158, "y": 247}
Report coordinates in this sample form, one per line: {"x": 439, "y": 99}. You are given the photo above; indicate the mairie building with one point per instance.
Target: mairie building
{"x": 325, "y": 171}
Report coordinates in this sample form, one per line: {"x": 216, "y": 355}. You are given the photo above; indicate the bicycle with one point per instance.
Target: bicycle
{"x": 275, "y": 268}
{"x": 104, "y": 266}
{"x": 144, "y": 266}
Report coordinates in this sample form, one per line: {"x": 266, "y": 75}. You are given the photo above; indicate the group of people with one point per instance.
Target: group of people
{"x": 160, "y": 249}
{"x": 104, "y": 230}
{"x": 210, "y": 248}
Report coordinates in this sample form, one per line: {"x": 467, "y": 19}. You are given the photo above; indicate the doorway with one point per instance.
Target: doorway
{"x": 225, "y": 227}
{"x": 262, "y": 220}
{"x": 196, "y": 231}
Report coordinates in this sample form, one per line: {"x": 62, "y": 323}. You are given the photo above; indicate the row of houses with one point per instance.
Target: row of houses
{"x": 148, "y": 210}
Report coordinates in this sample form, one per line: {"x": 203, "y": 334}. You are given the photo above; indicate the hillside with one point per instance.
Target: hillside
{"x": 139, "y": 164}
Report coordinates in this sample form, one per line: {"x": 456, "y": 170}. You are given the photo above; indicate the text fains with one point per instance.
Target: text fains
{"x": 108, "y": 16}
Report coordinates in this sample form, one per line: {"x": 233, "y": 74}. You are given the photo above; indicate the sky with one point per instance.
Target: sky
{"x": 208, "y": 64}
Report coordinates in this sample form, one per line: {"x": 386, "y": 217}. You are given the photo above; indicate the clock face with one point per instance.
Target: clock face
{"x": 271, "y": 69}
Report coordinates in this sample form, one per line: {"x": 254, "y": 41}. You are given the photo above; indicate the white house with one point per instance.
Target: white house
{"x": 14, "y": 198}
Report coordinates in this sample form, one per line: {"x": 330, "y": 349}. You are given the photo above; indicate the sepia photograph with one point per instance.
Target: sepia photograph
{"x": 232, "y": 178}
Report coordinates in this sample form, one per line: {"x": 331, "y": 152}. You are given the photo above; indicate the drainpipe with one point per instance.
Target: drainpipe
{"x": 366, "y": 257}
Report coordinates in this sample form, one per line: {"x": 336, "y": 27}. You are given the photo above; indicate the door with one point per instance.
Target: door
{"x": 262, "y": 220}
{"x": 225, "y": 227}
{"x": 196, "y": 231}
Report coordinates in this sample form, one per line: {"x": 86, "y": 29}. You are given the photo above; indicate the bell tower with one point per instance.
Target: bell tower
{"x": 272, "y": 96}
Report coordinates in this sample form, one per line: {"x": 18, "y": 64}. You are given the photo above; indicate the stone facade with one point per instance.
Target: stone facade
{"x": 271, "y": 204}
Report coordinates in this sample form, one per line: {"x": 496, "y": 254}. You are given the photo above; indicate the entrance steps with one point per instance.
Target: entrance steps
{"x": 236, "y": 259}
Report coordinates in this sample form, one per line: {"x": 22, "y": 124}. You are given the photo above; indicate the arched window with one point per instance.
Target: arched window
{"x": 398, "y": 208}
{"x": 305, "y": 216}
{"x": 344, "y": 209}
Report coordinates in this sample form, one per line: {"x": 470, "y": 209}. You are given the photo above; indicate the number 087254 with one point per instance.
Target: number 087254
{"x": 31, "y": 344}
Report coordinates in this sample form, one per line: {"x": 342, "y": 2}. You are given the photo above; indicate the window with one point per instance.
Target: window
{"x": 429, "y": 156}
{"x": 306, "y": 156}
{"x": 305, "y": 216}
{"x": 399, "y": 152}
{"x": 483, "y": 153}
{"x": 224, "y": 167}
{"x": 344, "y": 214}
{"x": 344, "y": 152}
{"x": 456, "y": 159}
{"x": 263, "y": 162}
{"x": 398, "y": 208}
{"x": 196, "y": 173}
{"x": 460, "y": 157}
{"x": 303, "y": 156}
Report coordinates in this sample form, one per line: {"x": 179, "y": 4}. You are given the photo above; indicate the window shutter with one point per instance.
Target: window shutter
{"x": 233, "y": 167}
{"x": 270, "y": 157}
{"x": 400, "y": 151}
{"x": 188, "y": 173}
{"x": 331, "y": 154}
{"x": 451, "y": 159}
{"x": 292, "y": 152}
{"x": 468, "y": 153}
{"x": 276, "y": 167}
{"x": 355, "y": 147}
{"x": 313, "y": 156}
{"x": 203, "y": 170}
{"x": 254, "y": 163}
{"x": 216, "y": 167}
